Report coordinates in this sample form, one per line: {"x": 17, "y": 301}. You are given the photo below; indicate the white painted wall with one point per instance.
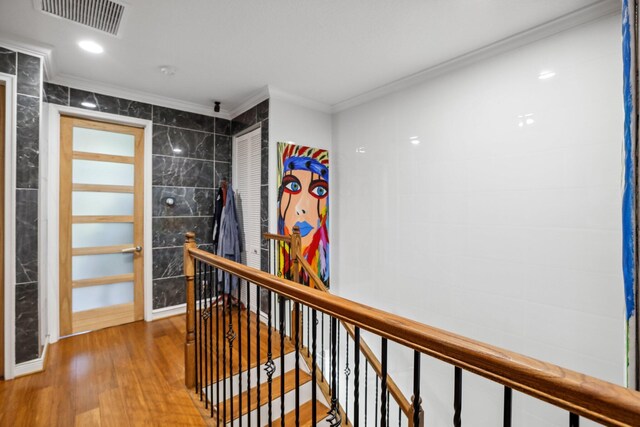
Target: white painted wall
{"x": 506, "y": 234}
{"x": 292, "y": 122}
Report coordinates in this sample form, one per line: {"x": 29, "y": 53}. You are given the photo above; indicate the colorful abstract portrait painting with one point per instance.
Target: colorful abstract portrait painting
{"x": 303, "y": 201}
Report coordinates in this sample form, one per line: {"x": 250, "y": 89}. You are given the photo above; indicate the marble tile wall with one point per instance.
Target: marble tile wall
{"x": 27, "y": 68}
{"x": 191, "y": 154}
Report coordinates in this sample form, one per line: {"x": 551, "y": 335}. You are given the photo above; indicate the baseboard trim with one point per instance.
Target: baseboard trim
{"x": 162, "y": 313}
{"x": 33, "y": 366}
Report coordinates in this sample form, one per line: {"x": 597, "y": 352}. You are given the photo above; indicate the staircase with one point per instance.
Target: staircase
{"x": 230, "y": 374}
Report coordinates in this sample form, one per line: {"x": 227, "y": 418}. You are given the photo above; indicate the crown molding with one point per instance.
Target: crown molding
{"x": 581, "y": 16}
{"x": 252, "y": 100}
{"x": 30, "y": 47}
{"x": 277, "y": 93}
{"x": 134, "y": 95}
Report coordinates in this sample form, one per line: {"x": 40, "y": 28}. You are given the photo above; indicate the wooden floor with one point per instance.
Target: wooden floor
{"x": 131, "y": 375}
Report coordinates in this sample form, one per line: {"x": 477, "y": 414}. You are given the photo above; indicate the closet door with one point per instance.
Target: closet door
{"x": 246, "y": 182}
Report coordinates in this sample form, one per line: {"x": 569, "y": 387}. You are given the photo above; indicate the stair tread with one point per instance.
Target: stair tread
{"x": 289, "y": 385}
{"x": 305, "y": 415}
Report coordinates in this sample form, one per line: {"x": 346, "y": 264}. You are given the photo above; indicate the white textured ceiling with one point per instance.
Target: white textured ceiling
{"x": 327, "y": 51}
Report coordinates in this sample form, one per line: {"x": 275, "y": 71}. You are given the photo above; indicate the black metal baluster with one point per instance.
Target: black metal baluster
{"x": 338, "y": 362}
{"x": 270, "y": 366}
{"x": 314, "y": 320}
{"x": 224, "y": 346}
{"x": 239, "y": 306}
{"x": 347, "y": 373}
{"x": 356, "y": 378}
{"x": 399, "y": 416}
{"x": 417, "y": 401}
{"x": 231, "y": 336}
{"x": 208, "y": 278}
{"x": 214, "y": 280}
{"x": 323, "y": 347}
{"x": 508, "y": 397}
{"x": 383, "y": 386}
{"x": 298, "y": 312}
{"x": 334, "y": 415}
{"x": 282, "y": 332}
{"x": 388, "y": 411}
{"x": 258, "y": 359}
{"x": 574, "y": 420}
{"x": 249, "y": 354}
{"x": 203, "y": 314}
{"x": 375, "y": 408}
{"x": 366, "y": 391}
{"x": 457, "y": 398}
{"x": 199, "y": 344}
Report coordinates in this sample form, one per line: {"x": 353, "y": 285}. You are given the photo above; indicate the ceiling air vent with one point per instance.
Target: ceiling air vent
{"x": 103, "y": 15}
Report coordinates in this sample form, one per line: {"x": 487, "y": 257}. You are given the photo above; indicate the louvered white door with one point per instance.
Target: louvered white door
{"x": 246, "y": 182}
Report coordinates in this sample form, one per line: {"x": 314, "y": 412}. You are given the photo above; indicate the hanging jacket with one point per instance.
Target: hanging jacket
{"x": 217, "y": 217}
{"x": 229, "y": 243}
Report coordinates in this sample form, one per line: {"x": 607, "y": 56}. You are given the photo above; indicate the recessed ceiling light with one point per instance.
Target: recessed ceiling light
{"x": 87, "y": 104}
{"x": 415, "y": 141}
{"x": 546, "y": 74}
{"x": 177, "y": 150}
{"x": 361, "y": 150}
{"x": 91, "y": 46}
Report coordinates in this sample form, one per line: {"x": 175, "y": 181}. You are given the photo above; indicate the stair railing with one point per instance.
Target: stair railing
{"x": 299, "y": 264}
{"x": 211, "y": 334}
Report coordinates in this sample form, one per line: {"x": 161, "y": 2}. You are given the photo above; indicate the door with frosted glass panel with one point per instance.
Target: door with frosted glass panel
{"x": 101, "y": 229}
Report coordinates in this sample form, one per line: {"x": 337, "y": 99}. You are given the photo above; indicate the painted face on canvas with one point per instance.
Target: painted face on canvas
{"x": 303, "y": 203}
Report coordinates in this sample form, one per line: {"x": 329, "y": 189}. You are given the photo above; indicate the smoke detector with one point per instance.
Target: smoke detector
{"x": 101, "y": 15}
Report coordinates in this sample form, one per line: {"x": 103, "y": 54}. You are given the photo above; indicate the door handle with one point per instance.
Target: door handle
{"x": 132, "y": 250}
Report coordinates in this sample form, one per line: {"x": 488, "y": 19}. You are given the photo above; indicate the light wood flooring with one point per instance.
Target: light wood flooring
{"x": 130, "y": 375}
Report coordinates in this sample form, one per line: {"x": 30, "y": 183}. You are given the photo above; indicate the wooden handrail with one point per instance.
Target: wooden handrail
{"x": 286, "y": 239}
{"x": 394, "y": 390}
{"x": 590, "y": 397}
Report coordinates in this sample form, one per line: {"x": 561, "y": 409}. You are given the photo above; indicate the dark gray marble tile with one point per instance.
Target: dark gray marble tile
{"x": 170, "y": 231}
{"x": 28, "y": 136}
{"x": 55, "y": 94}
{"x": 187, "y": 201}
{"x": 169, "y": 292}
{"x": 262, "y": 110}
{"x": 222, "y": 171}
{"x": 223, "y": 148}
{"x": 183, "y": 119}
{"x": 264, "y": 142}
{"x": 223, "y": 126}
{"x": 181, "y": 172}
{"x": 264, "y": 260}
{"x": 167, "y": 262}
{"x": 28, "y": 75}
{"x": 264, "y": 214}
{"x": 27, "y": 230}
{"x": 110, "y": 104}
{"x": 244, "y": 120}
{"x": 179, "y": 142}
{"x": 27, "y": 342}
{"x": 7, "y": 61}
{"x": 264, "y": 166}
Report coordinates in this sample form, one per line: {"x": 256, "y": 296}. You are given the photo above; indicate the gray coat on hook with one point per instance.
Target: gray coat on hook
{"x": 230, "y": 243}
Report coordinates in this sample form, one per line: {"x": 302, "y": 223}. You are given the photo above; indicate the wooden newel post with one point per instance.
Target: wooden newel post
{"x": 296, "y": 250}
{"x": 189, "y": 345}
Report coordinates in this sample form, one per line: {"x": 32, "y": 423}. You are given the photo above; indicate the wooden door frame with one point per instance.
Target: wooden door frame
{"x": 8, "y": 344}
{"x": 51, "y": 242}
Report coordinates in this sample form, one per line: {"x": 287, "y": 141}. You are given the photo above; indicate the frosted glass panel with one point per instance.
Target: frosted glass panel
{"x": 99, "y": 203}
{"x": 99, "y": 141}
{"x": 101, "y": 234}
{"x": 101, "y": 296}
{"x": 107, "y": 173}
{"x": 92, "y": 266}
